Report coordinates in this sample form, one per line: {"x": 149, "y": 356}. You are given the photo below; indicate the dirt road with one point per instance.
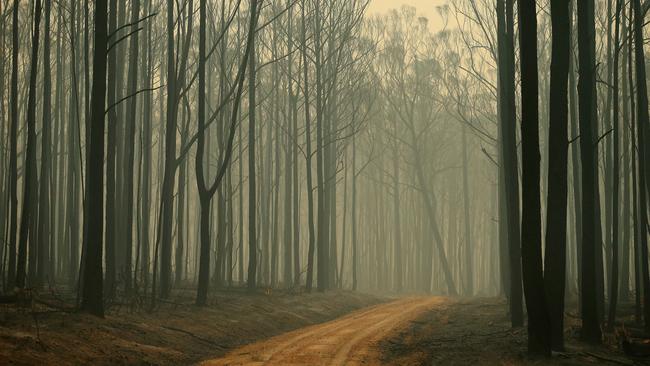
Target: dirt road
{"x": 350, "y": 340}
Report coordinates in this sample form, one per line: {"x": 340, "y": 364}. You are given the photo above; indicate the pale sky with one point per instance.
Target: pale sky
{"x": 426, "y": 8}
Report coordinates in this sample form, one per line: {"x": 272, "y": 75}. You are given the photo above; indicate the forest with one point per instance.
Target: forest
{"x": 335, "y": 182}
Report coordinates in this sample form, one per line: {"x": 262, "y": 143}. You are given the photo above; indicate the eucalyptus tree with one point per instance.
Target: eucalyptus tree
{"x": 408, "y": 87}
{"x": 587, "y": 102}
{"x": 643, "y": 131}
{"x": 92, "y": 289}
{"x": 206, "y": 192}
{"x": 556, "y": 215}
{"x": 614, "y": 279}
{"x": 30, "y": 195}
{"x": 509, "y": 174}
{"x": 539, "y": 341}
{"x": 43, "y": 234}
{"x": 130, "y": 133}
{"x": 13, "y": 149}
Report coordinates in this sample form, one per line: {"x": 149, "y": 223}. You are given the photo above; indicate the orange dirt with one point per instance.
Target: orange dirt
{"x": 354, "y": 339}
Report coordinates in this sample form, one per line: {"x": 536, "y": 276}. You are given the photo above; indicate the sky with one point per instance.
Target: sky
{"x": 426, "y": 8}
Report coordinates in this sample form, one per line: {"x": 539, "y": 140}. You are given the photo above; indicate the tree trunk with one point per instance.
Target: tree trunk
{"x": 642, "y": 132}
{"x": 614, "y": 282}
{"x": 509, "y": 150}
{"x": 323, "y": 203}
{"x": 469, "y": 250}
{"x": 13, "y": 143}
{"x": 92, "y": 290}
{"x": 30, "y": 178}
{"x": 397, "y": 244}
{"x": 132, "y": 85}
{"x": 308, "y": 153}
{"x": 252, "y": 219}
{"x": 556, "y": 215}
{"x": 539, "y": 340}
{"x": 587, "y": 100}
{"x": 353, "y": 214}
{"x": 624, "y": 287}
{"x": 46, "y": 153}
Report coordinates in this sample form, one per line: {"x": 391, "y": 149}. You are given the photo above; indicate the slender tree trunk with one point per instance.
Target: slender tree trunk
{"x": 509, "y": 150}
{"x": 429, "y": 204}
{"x": 132, "y": 86}
{"x": 642, "y": 122}
{"x": 13, "y": 143}
{"x": 74, "y": 158}
{"x": 353, "y": 213}
{"x": 539, "y": 340}
{"x": 205, "y": 198}
{"x": 308, "y": 153}
{"x": 167, "y": 190}
{"x": 296, "y": 195}
{"x": 556, "y": 215}
{"x": 30, "y": 179}
{"x": 614, "y": 282}
{"x": 469, "y": 250}
{"x": 92, "y": 290}
{"x": 638, "y": 286}
{"x": 240, "y": 221}
{"x": 624, "y": 287}
{"x": 287, "y": 277}
{"x": 575, "y": 165}
{"x": 110, "y": 260}
{"x": 587, "y": 100}
{"x": 181, "y": 249}
{"x": 46, "y": 153}
{"x": 397, "y": 251}
{"x": 146, "y": 166}
{"x": 323, "y": 203}
{"x": 252, "y": 219}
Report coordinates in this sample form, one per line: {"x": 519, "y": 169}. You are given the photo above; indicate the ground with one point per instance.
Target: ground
{"x": 477, "y": 332}
{"x": 276, "y": 328}
{"x": 176, "y": 333}
{"x": 351, "y": 340}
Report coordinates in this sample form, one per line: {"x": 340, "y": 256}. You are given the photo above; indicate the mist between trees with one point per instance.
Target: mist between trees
{"x": 151, "y": 145}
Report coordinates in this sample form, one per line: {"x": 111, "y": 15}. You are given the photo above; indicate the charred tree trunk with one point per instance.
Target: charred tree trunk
{"x": 587, "y": 100}
{"x": 614, "y": 280}
{"x": 13, "y": 148}
{"x": 539, "y": 342}
{"x": 556, "y": 215}
{"x": 44, "y": 237}
{"x": 508, "y": 132}
{"x": 92, "y": 289}
{"x": 30, "y": 179}
{"x": 642, "y": 132}
{"x": 131, "y": 120}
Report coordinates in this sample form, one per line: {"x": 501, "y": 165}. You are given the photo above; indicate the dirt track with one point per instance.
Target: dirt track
{"x": 350, "y": 340}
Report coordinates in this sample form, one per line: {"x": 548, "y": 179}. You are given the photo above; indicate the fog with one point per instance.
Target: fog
{"x": 159, "y": 153}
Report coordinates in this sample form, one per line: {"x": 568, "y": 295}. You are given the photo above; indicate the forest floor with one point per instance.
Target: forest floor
{"x": 419, "y": 331}
{"x": 279, "y": 328}
{"x": 176, "y": 333}
{"x": 477, "y": 332}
